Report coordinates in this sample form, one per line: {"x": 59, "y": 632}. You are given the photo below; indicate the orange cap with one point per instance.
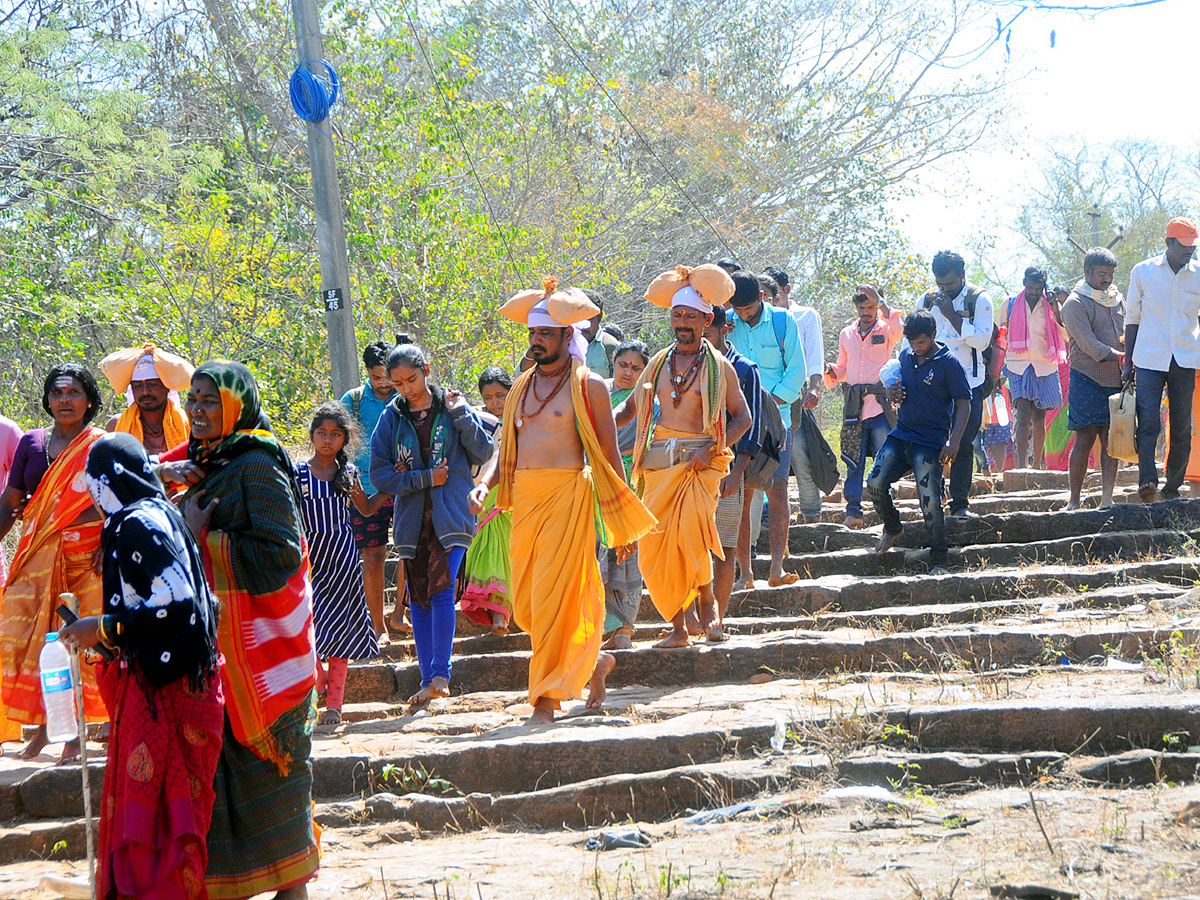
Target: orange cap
{"x": 1184, "y": 230}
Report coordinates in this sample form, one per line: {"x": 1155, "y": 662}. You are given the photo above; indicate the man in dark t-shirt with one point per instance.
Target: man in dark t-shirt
{"x": 934, "y": 401}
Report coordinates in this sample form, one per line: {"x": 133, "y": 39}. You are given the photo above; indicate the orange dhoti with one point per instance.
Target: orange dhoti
{"x": 675, "y": 557}
{"x": 557, "y": 594}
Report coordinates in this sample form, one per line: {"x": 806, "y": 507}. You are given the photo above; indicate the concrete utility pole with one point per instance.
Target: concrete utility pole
{"x": 331, "y": 232}
{"x": 1095, "y": 214}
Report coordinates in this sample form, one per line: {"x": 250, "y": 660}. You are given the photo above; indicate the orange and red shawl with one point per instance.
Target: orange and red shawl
{"x": 266, "y": 638}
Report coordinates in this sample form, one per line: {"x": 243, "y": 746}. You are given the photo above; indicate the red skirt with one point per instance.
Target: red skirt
{"x": 158, "y": 786}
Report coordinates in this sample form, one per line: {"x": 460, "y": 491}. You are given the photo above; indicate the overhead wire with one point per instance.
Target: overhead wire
{"x": 637, "y": 132}
{"x": 412, "y": 27}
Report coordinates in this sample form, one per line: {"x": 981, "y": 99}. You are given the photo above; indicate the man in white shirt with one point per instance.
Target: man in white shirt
{"x": 963, "y": 313}
{"x": 808, "y": 321}
{"x": 1162, "y": 339}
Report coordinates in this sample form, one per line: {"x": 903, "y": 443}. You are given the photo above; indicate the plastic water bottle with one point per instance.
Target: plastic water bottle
{"x": 58, "y": 692}
{"x": 890, "y": 373}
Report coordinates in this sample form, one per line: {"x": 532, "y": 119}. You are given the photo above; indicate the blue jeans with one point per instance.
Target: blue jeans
{"x": 1180, "y": 383}
{"x": 806, "y": 488}
{"x": 962, "y": 469}
{"x": 433, "y": 628}
{"x": 875, "y": 432}
{"x": 893, "y": 462}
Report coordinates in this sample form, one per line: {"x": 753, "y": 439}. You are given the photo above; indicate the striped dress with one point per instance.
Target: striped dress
{"x": 340, "y": 614}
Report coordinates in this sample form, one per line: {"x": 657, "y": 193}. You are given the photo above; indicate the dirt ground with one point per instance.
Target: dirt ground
{"x": 1110, "y": 844}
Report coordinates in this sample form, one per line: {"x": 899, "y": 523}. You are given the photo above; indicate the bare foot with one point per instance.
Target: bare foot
{"x": 716, "y": 635}
{"x": 36, "y": 745}
{"x": 709, "y": 618}
{"x": 621, "y": 639}
{"x": 543, "y": 714}
{"x": 299, "y": 892}
{"x": 330, "y": 717}
{"x": 385, "y": 640}
{"x": 499, "y": 623}
{"x": 1105, "y": 502}
{"x": 70, "y": 753}
{"x": 677, "y": 638}
{"x": 742, "y": 584}
{"x": 693, "y": 621}
{"x": 598, "y": 686}
{"x": 782, "y": 579}
{"x": 886, "y": 542}
{"x": 396, "y": 621}
{"x": 437, "y": 688}
{"x": 1071, "y": 505}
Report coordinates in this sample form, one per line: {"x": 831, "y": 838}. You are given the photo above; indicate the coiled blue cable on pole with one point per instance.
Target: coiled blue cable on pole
{"x": 311, "y": 97}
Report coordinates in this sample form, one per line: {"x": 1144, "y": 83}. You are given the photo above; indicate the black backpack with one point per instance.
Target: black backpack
{"x": 773, "y": 438}
{"x": 977, "y": 358}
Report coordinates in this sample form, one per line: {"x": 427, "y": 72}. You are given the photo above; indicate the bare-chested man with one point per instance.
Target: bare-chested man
{"x": 683, "y": 455}
{"x": 149, "y": 374}
{"x": 555, "y": 412}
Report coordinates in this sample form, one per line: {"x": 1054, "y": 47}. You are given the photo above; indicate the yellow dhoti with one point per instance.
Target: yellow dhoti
{"x": 674, "y": 557}
{"x": 556, "y": 591}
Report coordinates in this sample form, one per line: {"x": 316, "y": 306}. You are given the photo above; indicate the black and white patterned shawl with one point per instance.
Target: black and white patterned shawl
{"x": 153, "y": 572}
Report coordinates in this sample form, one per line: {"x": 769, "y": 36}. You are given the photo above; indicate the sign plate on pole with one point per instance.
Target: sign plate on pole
{"x": 333, "y": 299}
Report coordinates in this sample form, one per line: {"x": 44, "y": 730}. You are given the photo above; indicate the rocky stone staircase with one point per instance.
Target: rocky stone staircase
{"x": 1061, "y": 645}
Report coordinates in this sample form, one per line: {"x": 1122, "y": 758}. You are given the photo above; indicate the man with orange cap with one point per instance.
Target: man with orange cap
{"x": 557, "y": 411}
{"x": 681, "y": 456}
{"x": 150, "y": 378}
{"x": 1162, "y": 339}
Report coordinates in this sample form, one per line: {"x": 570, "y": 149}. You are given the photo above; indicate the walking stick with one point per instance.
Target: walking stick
{"x": 72, "y": 603}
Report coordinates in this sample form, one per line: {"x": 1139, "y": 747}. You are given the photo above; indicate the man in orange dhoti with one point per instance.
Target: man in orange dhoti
{"x": 680, "y": 458}
{"x": 150, "y": 377}
{"x": 556, "y": 411}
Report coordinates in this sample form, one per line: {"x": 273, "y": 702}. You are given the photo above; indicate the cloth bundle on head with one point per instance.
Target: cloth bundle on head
{"x": 552, "y": 308}
{"x": 146, "y": 363}
{"x": 700, "y": 288}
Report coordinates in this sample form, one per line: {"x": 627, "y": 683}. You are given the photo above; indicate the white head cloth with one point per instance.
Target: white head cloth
{"x": 144, "y": 370}
{"x": 539, "y": 317}
{"x": 687, "y": 296}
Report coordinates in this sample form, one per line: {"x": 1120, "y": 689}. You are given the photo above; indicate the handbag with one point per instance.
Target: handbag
{"x": 1122, "y": 424}
{"x": 821, "y": 458}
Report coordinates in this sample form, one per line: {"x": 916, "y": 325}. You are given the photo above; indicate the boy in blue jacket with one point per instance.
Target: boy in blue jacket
{"x": 934, "y": 402}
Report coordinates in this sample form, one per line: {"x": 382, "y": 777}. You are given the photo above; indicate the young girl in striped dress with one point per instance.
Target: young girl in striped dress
{"x": 329, "y": 483}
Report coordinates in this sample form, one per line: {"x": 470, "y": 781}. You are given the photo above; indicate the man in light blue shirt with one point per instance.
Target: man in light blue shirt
{"x": 768, "y": 336}
{"x": 367, "y": 403}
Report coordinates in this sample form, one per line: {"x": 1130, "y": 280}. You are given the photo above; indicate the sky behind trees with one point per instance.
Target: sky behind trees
{"x": 1124, "y": 74}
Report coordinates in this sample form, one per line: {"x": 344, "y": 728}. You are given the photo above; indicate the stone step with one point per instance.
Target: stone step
{"x": 848, "y": 593}
{"x": 1027, "y": 527}
{"x": 901, "y": 617}
{"x": 812, "y": 652}
{"x": 830, "y": 535}
{"x": 1086, "y": 549}
{"x": 1041, "y": 479}
{"x": 658, "y": 793}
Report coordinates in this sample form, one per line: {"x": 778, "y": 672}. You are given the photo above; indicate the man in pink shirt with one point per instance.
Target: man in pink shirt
{"x": 863, "y": 347}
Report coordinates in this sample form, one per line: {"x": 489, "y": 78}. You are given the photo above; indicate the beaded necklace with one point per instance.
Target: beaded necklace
{"x": 561, "y": 375}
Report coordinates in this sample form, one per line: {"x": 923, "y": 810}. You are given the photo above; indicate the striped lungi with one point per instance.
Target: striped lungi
{"x": 729, "y": 516}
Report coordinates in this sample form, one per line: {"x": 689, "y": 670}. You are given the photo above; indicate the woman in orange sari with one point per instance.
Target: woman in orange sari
{"x": 58, "y": 549}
